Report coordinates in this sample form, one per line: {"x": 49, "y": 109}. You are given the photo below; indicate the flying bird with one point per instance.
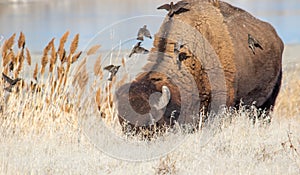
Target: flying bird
{"x": 143, "y": 32}
{"x": 252, "y": 43}
{"x": 113, "y": 70}
{"x": 12, "y": 82}
{"x": 138, "y": 49}
{"x": 173, "y": 8}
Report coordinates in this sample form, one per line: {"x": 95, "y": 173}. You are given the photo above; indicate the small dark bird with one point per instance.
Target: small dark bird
{"x": 113, "y": 70}
{"x": 173, "y": 8}
{"x": 138, "y": 49}
{"x": 252, "y": 42}
{"x": 180, "y": 56}
{"x": 12, "y": 82}
{"x": 143, "y": 32}
{"x": 183, "y": 56}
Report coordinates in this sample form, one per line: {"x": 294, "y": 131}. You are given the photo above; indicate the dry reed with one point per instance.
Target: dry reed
{"x": 53, "y": 57}
{"x": 8, "y": 45}
{"x": 93, "y": 49}
{"x": 61, "y": 51}
{"x": 97, "y": 68}
{"x": 30, "y": 121}
{"x": 21, "y": 41}
{"x": 28, "y": 57}
{"x": 20, "y": 63}
{"x": 35, "y": 72}
{"x": 45, "y": 58}
{"x": 74, "y": 44}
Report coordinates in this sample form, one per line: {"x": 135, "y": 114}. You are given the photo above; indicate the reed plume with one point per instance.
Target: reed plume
{"x": 45, "y": 58}
{"x": 8, "y": 45}
{"x": 61, "y": 50}
{"x": 53, "y": 57}
{"x": 97, "y": 67}
{"x": 35, "y": 72}
{"x": 7, "y": 58}
{"x": 81, "y": 75}
{"x": 93, "y": 49}
{"x": 98, "y": 98}
{"x": 20, "y": 62}
{"x": 21, "y": 41}
{"x": 60, "y": 76}
{"x": 74, "y": 44}
{"x": 28, "y": 57}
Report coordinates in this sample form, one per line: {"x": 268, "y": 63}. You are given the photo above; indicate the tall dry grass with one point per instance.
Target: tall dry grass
{"x": 40, "y": 132}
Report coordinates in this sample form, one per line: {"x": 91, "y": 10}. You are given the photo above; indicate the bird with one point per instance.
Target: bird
{"x": 180, "y": 56}
{"x": 173, "y": 8}
{"x": 143, "y": 32}
{"x": 183, "y": 56}
{"x": 138, "y": 49}
{"x": 113, "y": 70}
{"x": 12, "y": 82}
{"x": 252, "y": 43}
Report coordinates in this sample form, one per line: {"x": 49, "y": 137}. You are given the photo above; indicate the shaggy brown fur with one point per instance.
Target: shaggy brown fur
{"x": 221, "y": 66}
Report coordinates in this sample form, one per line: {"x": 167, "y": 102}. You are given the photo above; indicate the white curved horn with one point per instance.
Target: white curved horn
{"x": 164, "y": 99}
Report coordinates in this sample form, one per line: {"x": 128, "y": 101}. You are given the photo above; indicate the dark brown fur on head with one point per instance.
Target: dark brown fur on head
{"x": 136, "y": 96}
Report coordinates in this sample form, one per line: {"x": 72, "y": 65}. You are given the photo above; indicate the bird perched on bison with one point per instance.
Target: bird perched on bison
{"x": 253, "y": 43}
{"x": 173, "y": 8}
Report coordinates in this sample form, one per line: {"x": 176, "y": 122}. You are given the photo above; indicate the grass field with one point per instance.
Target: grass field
{"x": 39, "y": 131}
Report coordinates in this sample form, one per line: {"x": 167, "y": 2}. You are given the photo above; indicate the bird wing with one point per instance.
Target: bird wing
{"x": 131, "y": 53}
{"x": 179, "y": 5}
{"x": 6, "y": 78}
{"x": 257, "y": 43}
{"x": 147, "y": 33}
{"x": 165, "y": 6}
{"x": 142, "y": 50}
{"x": 109, "y": 67}
{"x": 117, "y": 68}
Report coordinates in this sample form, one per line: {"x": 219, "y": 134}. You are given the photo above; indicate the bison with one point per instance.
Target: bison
{"x": 217, "y": 67}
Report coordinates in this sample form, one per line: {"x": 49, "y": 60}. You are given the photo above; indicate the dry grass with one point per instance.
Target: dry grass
{"x": 40, "y": 132}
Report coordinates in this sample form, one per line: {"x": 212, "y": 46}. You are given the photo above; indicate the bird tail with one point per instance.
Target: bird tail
{"x": 130, "y": 54}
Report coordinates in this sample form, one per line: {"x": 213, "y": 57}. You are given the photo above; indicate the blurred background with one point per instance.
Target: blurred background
{"x": 41, "y": 20}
